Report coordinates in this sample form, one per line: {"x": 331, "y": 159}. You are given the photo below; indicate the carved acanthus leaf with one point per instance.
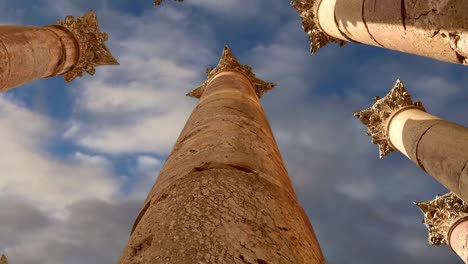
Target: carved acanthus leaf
{"x": 307, "y": 10}
{"x": 93, "y": 51}
{"x": 440, "y": 214}
{"x": 229, "y": 63}
{"x": 3, "y": 260}
{"x": 376, "y": 117}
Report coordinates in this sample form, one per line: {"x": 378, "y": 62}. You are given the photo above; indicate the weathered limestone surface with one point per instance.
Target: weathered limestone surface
{"x": 71, "y": 47}
{"x": 28, "y": 53}
{"x": 437, "y": 146}
{"x": 446, "y": 218}
{"x": 223, "y": 195}
{"x": 437, "y": 29}
{"x": 459, "y": 239}
{"x": 440, "y": 148}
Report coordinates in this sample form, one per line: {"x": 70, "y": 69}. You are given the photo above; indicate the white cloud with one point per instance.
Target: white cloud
{"x": 141, "y": 105}
{"x": 241, "y": 10}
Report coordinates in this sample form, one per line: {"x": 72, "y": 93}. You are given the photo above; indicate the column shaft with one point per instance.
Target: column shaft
{"x": 459, "y": 239}
{"x": 223, "y": 195}
{"x": 28, "y": 53}
{"x": 437, "y": 146}
{"x": 436, "y": 29}
{"x": 70, "y": 47}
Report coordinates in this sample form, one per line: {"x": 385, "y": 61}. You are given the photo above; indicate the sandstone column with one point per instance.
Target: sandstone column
{"x": 70, "y": 47}
{"x": 437, "y": 29}
{"x": 446, "y": 218}
{"x": 437, "y": 146}
{"x": 223, "y": 195}
{"x": 3, "y": 260}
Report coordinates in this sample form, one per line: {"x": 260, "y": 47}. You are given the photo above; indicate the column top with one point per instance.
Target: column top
{"x": 3, "y": 260}
{"x": 229, "y": 63}
{"x": 92, "y": 50}
{"x": 441, "y": 214}
{"x": 308, "y": 10}
{"x": 158, "y": 2}
{"x": 378, "y": 116}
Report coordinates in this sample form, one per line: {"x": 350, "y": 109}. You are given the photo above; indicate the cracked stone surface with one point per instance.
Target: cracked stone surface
{"x": 431, "y": 28}
{"x": 224, "y": 195}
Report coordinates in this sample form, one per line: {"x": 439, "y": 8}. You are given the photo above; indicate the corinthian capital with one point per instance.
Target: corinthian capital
{"x": 92, "y": 50}
{"x": 377, "y": 117}
{"x": 441, "y": 214}
{"x": 229, "y": 63}
{"x": 308, "y": 10}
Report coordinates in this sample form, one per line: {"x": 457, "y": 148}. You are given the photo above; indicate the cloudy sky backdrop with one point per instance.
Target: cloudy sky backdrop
{"x": 77, "y": 160}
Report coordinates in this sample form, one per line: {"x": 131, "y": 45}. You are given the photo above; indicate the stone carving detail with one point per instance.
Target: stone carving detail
{"x": 307, "y": 10}
{"x": 3, "y": 260}
{"x": 93, "y": 51}
{"x": 158, "y": 2}
{"x": 229, "y": 63}
{"x": 377, "y": 116}
{"x": 440, "y": 214}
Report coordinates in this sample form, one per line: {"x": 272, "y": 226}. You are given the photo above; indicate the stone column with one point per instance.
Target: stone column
{"x": 436, "y": 29}
{"x": 3, "y": 260}
{"x": 446, "y": 218}
{"x": 70, "y": 47}
{"x": 437, "y": 146}
{"x": 224, "y": 195}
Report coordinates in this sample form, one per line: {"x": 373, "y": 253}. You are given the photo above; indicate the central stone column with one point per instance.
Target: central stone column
{"x": 224, "y": 195}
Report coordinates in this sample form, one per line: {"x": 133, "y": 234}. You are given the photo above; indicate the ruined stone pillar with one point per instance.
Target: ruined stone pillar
{"x": 436, "y": 29}
{"x": 70, "y": 47}
{"x": 224, "y": 195}
{"x": 446, "y": 218}
{"x": 437, "y": 146}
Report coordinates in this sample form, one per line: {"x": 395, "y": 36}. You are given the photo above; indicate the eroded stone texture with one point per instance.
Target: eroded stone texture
{"x": 28, "y": 53}
{"x": 440, "y": 148}
{"x": 433, "y": 28}
{"x": 459, "y": 239}
{"x": 223, "y": 195}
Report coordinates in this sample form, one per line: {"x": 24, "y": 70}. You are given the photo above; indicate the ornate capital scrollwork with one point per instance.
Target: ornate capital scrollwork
{"x": 92, "y": 50}
{"x": 441, "y": 214}
{"x": 158, "y": 2}
{"x": 308, "y": 11}
{"x": 3, "y": 260}
{"x": 377, "y": 116}
{"x": 229, "y": 63}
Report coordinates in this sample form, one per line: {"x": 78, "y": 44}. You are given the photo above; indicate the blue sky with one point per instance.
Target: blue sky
{"x": 78, "y": 159}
